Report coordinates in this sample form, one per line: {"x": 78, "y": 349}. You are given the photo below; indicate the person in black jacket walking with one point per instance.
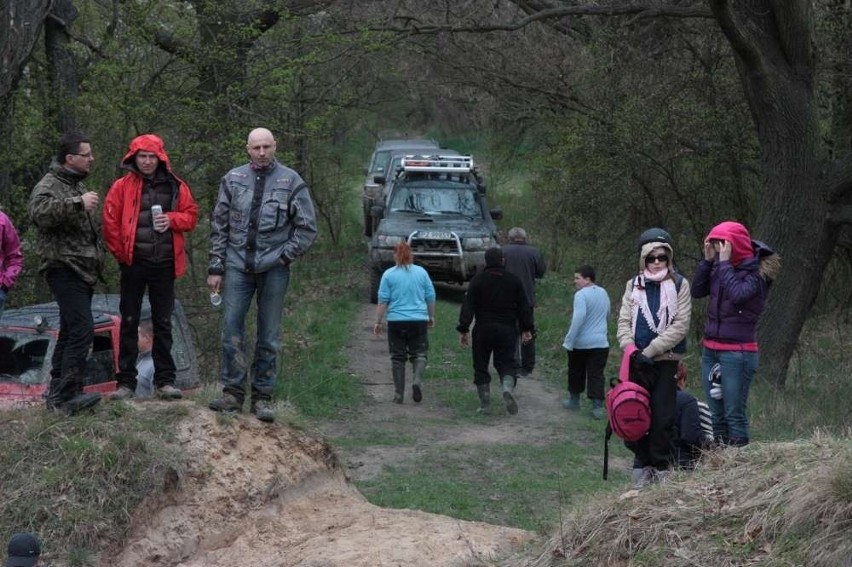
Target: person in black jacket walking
{"x": 496, "y": 300}
{"x": 525, "y": 261}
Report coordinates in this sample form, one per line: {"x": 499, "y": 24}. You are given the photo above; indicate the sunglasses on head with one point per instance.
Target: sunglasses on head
{"x": 652, "y": 259}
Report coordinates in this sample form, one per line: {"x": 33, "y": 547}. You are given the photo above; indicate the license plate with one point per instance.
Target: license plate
{"x": 431, "y": 235}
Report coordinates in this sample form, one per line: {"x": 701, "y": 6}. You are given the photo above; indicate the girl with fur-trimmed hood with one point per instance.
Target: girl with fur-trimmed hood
{"x": 736, "y": 274}
{"x": 654, "y": 317}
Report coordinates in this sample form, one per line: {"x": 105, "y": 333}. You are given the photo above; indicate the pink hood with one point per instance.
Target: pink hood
{"x": 738, "y": 236}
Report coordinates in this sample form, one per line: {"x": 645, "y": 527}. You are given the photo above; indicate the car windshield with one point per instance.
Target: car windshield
{"x": 22, "y": 357}
{"x": 433, "y": 198}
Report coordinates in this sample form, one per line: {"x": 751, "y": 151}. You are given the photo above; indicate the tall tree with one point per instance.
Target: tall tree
{"x": 61, "y": 65}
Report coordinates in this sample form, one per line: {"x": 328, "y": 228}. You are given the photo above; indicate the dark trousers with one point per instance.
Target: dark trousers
{"x": 586, "y": 372}
{"x": 655, "y": 449}
{"x": 526, "y": 352}
{"x": 499, "y": 340}
{"x": 76, "y": 331}
{"x": 407, "y": 341}
{"x": 160, "y": 282}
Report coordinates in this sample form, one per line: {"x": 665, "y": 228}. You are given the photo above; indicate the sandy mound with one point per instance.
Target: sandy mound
{"x": 270, "y": 496}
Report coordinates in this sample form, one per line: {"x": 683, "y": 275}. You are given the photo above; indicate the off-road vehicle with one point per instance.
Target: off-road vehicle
{"x": 28, "y": 338}
{"x": 438, "y": 205}
{"x": 380, "y": 167}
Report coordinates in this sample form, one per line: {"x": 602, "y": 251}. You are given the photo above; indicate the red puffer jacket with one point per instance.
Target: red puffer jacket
{"x": 123, "y": 201}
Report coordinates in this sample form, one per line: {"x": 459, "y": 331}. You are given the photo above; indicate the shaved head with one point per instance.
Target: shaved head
{"x": 260, "y": 133}
{"x": 261, "y": 147}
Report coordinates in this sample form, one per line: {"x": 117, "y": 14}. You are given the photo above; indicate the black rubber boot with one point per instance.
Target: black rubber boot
{"x": 508, "y": 389}
{"x": 484, "y": 391}
{"x": 417, "y": 381}
{"x": 398, "y": 369}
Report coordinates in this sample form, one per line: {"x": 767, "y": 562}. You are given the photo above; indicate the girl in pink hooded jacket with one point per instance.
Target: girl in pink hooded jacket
{"x": 736, "y": 273}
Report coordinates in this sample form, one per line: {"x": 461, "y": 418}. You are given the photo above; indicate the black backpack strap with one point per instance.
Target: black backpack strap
{"x": 606, "y": 450}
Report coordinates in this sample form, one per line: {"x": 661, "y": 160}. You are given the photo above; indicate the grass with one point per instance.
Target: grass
{"x": 515, "y": 485}
{"x": 766, "y": 504}
{"x": 76, "y": 482}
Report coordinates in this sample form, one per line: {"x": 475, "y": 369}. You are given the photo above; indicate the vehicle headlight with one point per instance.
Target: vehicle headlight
{"x": 479, "y": 243}
{"x": 389, "y": 240}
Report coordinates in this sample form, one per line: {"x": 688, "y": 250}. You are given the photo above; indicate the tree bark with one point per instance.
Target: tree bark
{"x": 62, "y": 68}
{"x": 772, "y": 44}
{"x": 20, "y": 27}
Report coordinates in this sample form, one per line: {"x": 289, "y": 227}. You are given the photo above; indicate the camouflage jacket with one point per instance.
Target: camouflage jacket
{"x": 68, "y": 236}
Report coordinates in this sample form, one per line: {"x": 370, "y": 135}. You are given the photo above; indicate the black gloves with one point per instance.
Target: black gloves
{"x": 641, "y": 360}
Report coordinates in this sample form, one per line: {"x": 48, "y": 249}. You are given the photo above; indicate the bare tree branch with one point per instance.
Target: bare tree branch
{"x": 79, "y": 39}
{"x": 638, "y": 11}
{"x": 20, "y": 26}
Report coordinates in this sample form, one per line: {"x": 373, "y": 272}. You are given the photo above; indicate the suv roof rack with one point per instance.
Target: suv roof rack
{"x": 437, "y": 163}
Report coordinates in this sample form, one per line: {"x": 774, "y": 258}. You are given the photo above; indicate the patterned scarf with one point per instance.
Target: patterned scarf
{"x": 668, "y": 302}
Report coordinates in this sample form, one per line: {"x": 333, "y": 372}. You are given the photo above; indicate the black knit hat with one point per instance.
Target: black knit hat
{"x": 654, "y": 235}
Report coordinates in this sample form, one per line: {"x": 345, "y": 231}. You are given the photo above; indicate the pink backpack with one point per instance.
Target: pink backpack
{"x": 628, "y": 406}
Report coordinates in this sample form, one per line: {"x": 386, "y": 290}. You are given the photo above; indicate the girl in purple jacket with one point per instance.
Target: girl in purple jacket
{"x": 736, "y": 273}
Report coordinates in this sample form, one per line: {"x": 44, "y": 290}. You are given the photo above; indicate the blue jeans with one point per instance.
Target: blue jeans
{"x": 730, "y": 420}
{"x": 270, "y": 287}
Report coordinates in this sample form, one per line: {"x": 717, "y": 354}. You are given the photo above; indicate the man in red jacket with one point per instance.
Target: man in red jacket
{"x": 146, "y": 213}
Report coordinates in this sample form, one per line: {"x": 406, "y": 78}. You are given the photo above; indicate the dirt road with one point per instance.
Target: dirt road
{"x": 540, "y": 419}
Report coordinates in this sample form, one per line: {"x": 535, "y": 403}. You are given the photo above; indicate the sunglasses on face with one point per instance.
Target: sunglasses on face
{"x": 660, "y": 258}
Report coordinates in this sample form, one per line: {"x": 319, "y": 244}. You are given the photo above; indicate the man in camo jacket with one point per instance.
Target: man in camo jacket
{"x": 68, "y": 225}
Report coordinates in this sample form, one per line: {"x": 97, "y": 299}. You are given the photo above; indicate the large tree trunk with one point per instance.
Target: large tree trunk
{"x": 63, "y": 76}
{"x": 772, "y": 45}
{"x": 20, "y": 27}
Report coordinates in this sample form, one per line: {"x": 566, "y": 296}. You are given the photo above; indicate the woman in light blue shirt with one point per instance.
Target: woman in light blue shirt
{"x": 407, "y": 298}
{"x": 587, "y": 343}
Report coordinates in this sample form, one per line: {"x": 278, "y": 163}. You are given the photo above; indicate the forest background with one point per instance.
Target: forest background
{"x": 616, "y": 116}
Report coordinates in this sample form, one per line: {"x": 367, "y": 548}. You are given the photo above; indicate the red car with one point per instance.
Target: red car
{"x": 28, "y": 337}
